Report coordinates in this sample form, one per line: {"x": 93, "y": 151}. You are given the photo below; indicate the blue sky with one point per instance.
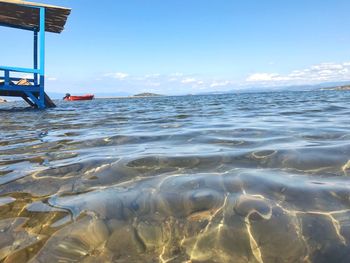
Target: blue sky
{"x": 190, "y": 46}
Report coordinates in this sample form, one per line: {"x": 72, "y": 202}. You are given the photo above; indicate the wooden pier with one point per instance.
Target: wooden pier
{"x": 38, "y": 18}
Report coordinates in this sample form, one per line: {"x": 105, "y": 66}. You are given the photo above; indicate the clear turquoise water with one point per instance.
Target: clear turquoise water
{"x": 258, "y": 177}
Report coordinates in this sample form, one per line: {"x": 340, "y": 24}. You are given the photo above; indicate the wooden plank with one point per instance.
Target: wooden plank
{"x": 25, "y": 15}
{"x": 21, "y": 2}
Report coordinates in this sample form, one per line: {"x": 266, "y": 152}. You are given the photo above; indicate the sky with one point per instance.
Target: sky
{"x": 190, "y": 46}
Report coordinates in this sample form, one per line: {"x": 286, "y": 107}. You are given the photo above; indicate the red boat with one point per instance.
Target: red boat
{"x": 83, "y": 97}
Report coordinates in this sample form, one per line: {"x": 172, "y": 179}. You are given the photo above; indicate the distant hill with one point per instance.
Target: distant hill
{"x": 344, "y": 87}
{"x": 147, "y": 94}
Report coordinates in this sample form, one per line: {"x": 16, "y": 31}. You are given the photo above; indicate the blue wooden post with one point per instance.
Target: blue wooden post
{"x": 7, "y": 77}
{"x": 35, "y": 60}
{"x": 42, "y": 57}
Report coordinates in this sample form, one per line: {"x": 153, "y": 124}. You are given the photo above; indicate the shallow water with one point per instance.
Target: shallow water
{"x": 260, "y": 177}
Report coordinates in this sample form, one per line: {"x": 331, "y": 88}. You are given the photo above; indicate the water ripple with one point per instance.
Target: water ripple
{"x": 259, "y": 177}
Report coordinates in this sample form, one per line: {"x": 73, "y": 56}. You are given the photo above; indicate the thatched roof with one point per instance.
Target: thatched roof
{"x": 23, "y": 14}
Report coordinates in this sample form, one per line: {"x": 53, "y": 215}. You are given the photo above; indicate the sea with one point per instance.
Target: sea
{"x": 246, "y": 177}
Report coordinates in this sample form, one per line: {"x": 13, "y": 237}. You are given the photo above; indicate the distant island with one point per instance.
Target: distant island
{"x": 345, "y": 87}
{"x": 147, "y": 94}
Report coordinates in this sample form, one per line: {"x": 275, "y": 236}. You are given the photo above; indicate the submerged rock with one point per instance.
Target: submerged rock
{"x": 14, "y": 238}
{"x": 78, "y": 242}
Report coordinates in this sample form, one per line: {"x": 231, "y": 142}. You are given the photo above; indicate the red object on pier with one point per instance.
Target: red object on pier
{"x": 83, "y": 97}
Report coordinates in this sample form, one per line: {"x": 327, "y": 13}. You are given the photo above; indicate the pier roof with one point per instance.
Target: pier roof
{"x": 25, "y": 15}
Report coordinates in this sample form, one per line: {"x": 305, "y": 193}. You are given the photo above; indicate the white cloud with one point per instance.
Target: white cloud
{"x": 175, "y": 77}
{"x": 152, "y": 76}
{"x": 188, "y": 80}
{"x": 153, "y": 84}
{"x": 216, "y": 84}
{"x": 257, "y": 77}
{"x": 297, "y": 74}
{"x": 177, "y": 74}
{"x": 317, "y": 73}
{"x": 117, "y": 75}
{"x": 177, "y": 83}
{"x": 51, "y": 78}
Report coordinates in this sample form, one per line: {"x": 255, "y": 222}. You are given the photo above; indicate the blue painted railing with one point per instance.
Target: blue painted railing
{"x": 34, "y": 92}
